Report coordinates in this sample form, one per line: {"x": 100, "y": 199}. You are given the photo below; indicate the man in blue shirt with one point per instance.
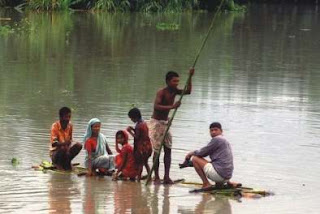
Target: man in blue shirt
{"x": 220, "y": 168}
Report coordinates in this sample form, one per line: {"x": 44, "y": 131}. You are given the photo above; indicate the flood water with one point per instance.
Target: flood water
{"x": 258, "y": 75}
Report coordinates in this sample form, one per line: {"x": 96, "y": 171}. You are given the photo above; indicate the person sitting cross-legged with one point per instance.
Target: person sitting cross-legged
{"x": 98, "y": 154}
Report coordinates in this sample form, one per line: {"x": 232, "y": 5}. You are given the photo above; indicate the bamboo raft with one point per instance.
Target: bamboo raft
{"x": 230, "y": 190}
{"x": 234, "y": 190}
{"x": 46, "y": 166}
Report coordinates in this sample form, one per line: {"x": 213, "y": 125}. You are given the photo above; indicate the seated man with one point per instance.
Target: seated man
{"x": 61, "y": 151}
{"x": 220, "y": 168}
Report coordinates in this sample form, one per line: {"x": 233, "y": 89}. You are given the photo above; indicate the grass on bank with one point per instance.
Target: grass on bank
{"x": 119, "y": 5}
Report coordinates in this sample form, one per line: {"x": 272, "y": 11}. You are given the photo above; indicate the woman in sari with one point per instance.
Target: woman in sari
{"x": 98, "y": 153}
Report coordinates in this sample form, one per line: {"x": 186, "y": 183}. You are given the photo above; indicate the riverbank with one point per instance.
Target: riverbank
{"x": 122, "y": 5}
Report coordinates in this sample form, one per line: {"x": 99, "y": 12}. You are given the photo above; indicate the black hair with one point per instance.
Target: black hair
{"x": 120, "y": 132}
{"x": 135, "y": 113}
{"x": 64, "y": 111}
{"x": 215, "y": 125}
{"x": 170, "y": 75}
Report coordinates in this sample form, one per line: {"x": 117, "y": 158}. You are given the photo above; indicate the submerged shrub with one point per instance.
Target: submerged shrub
{"x": 6, "y": 30}
{"x": 167, "y": 26}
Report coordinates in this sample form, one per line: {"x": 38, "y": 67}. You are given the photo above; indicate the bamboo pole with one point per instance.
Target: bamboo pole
{"x": 5, "y": 19}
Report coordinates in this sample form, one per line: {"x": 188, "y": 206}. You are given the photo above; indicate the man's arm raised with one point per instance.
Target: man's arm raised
{"x": 189, "y": 87}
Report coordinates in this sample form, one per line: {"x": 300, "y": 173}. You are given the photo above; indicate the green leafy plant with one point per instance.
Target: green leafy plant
{"x": 15, "y": 161}
{"x": 5, "y": 30}
{"x": 167, "y": 26}
{"x": 112, "y": 5}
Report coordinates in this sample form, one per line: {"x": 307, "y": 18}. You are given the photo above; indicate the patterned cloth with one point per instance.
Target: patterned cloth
{"x": 130, "y": 170}
{"x": 157, "y": 129}
{"x": 142, "y": 145}
{"x": 104, "y": 161}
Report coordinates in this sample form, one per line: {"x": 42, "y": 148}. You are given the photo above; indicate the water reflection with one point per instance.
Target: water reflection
{"x": 98, "y": 193}
{"x": 258, "y": 75}
{"x": 60, "y": 193}
{"x": 210, "y": 204}
{"x": 160, "y": 201}
{"x": 131, "y": 197}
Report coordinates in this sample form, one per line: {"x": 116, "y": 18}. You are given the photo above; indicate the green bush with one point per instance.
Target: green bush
{"x": 5, "y": 30}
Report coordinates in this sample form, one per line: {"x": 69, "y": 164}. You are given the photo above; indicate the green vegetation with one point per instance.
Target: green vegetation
{"x": 231, "y": 6}
{"x": 15, "y": 161}
{"x": 112, "y": 5}
{"x": 19, "y": 27}
{"x": 119, "y": 5}
{"x": 167, "y": 26}
{"x": 5, "y": 30}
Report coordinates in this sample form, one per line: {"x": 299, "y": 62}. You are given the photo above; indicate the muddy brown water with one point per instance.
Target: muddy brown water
{"x": 258, "y": 75}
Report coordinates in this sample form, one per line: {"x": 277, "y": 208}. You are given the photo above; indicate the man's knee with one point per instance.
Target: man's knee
{"x": 195, "y": 159}
{"x": 76, "y": 148}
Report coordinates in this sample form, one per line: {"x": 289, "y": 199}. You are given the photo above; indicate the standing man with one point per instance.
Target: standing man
{"x": 163, "y": 103}
{"x": 220, "y": 168}
{"x": 61, "y": 151}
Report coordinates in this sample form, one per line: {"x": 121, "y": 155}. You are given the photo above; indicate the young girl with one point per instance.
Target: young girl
{"x": 124, "y": 160}
{"x": 142, "y": 144}
{"x": 98, "y": 155}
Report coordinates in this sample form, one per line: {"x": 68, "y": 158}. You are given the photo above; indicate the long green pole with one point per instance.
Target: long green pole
{"x": 184, "y": 91}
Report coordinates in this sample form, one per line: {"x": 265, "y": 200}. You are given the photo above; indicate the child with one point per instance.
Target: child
{"x": 124, "y": 160}
{"x": 98, "y": 155}
{"x": 142, "y": 145}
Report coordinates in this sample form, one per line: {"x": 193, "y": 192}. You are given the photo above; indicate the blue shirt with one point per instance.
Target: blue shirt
{"x": 220, "y": 153}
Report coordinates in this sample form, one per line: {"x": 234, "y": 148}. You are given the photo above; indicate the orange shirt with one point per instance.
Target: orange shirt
{"x": 57, "y": 133}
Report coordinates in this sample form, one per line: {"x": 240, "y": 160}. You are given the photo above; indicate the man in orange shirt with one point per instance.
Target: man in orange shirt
{"x": 61, "y": 151}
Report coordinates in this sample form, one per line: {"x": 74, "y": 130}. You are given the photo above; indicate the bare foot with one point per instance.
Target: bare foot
{"x": 58, "y": 167}
{"x": 144, "y": 177}
{"x": 167, "y": 181}
{"x": 206, "y": 185}
{"x": 156, "y": 181}
{"x": 233, "y": 184}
